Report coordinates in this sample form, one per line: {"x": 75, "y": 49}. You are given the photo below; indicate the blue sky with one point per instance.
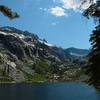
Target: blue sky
{"x": 58, "y": 21}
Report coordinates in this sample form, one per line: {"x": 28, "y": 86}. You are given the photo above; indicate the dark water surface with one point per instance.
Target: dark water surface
{"x": 59, "y": 91}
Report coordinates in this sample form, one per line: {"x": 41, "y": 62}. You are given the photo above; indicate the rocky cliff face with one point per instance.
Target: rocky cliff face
{"x": 20, "y": 51}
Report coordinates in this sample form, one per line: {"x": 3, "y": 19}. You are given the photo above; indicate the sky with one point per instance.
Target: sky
{"x": 60, "y": 22}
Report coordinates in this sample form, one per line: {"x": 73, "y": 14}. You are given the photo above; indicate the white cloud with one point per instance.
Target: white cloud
{"x": 65, "y": 5}
{"x": 57, "y": 11}
{"x": 69, "y": 4}
{"x": 74, "y": 4}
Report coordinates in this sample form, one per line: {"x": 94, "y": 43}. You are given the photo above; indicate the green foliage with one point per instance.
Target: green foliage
{"x": 41, "y": 67}
{"x": 38, "y": 78}
{"x": 93, "y": 11}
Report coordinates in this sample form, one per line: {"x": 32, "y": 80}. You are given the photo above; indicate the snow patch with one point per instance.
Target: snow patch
{"x": 3, "y": 33}
{"x": 21, "y": 36}
{"x": 48, "y": 44}
{"x": 75, "y": 54}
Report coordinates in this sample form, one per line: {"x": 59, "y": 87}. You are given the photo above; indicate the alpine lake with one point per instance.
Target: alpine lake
{"x": 52, "y": 91}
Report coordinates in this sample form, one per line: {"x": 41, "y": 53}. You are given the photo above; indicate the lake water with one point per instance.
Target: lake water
{"x": 59, "y": 91}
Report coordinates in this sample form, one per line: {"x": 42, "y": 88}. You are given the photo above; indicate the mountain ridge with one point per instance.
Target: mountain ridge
{"x": 24, "y": 54}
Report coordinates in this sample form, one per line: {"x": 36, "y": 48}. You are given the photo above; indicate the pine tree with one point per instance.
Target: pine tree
{"x": 94, "y": 59}
{"x": 93, "y": 67}
{"x": 8, "y": 12}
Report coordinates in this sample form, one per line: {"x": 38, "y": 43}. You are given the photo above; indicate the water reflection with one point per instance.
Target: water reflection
{"x": 59, "y": 91}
